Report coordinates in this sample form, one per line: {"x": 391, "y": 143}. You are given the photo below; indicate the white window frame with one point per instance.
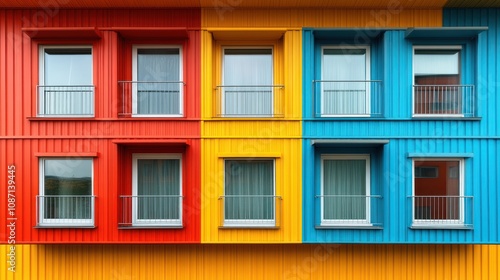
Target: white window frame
{"x": 447, "y": 222}
{"x": 367, "y": 78}
{"x": 66, "y": 221}
{"x": 347, "y": 222}
{"x": 273, "y": 92}
{"x": 154, "y": 222}
{"x": 430, "y": 47}
{"x": 135, "y": 48}
{"x": 41, "y": 74}
{"x": 252, "y": 222}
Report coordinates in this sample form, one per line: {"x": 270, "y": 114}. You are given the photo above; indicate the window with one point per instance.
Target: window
{"x": 249, "y": 197}
{"x": 66, "y": 197}
{"x": 345, "y": 190}
{"x": 157, "y": 87}
{"x": 438, "y": 194}
{"x": 437, "y": 83}
{"x": 65, "y": 87}
{"x": 247, "y": 79}
{"x": 156, "y": 190}
{"x": 345, "y": 83}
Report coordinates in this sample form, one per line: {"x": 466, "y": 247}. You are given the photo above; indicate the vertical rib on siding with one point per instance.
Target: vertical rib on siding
{"x": 287, "y": 182}
{"x": 288, "y": 261}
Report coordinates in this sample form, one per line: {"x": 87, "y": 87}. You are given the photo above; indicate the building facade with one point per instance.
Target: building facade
{"x": 249, "y": 140}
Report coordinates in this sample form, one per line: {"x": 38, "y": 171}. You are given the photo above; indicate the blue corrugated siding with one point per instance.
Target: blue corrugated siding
{"x": 393, "y": 178}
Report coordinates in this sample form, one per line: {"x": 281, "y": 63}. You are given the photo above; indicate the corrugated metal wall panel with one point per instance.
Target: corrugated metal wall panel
{"x": 234, "y": 4}
{"x": 288, "y": 178}
{"x": 113, "y": 129}
{"x": 251, "y": 129}
{"x": 395, "y": 16}
{"x": 288, "y": 261}
{"x": 489, "y": 68}
{"x": 396, "y": 186}
{"x": 407, "y": 135}
{"x": 107, "y": 188}
{"x": 24, "y": 135}
{"x": 19, "y": 75}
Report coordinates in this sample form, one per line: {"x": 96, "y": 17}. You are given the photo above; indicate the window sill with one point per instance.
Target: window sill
{"x": 112, "y": 119}
{"x": 248, "y": 118}
{"x": 442, "y": 226}
{"x": 331, "y": 118}
{"x": 353, "y": 226}
{"x": 72, "y": 118}
{"x": 53, "y": 226}
{"x": 249, "y": 226}
{"x": 132, "y": 227}
{"x": 444, "y": 118}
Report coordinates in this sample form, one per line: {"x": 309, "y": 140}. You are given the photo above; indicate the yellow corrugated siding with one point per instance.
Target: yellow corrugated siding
{"x": 254, "y": 261}
{"x": 251, "y": 129}
{"x": 393, "y": 16}
{"x": 288, "y": 154}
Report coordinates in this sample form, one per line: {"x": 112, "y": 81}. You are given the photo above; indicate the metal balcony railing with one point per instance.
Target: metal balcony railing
{"x": 149, "y": 99}
{"x": 73, "y": 101}
{"x": 250, "y": 211}
{"x": 348, "y": 98}
{"x": 151, "y": 211}
{"x": 349, "y": 210}
{"x": 442, "y": 210}
{"x": 249, "y": 101}
{"x": 65, "y": 209}
{"x": 444, "y": 100}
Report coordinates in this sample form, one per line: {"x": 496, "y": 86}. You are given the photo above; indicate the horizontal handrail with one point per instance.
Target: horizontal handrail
{"x": 347, "y": 98}
{"x": 151, "y": 98}
{"x": 444, "y": 100}
{"x": 65, "y": 100}
{"x": 151, "y": 210}
{"x": 250, "y": 210}
{"x": 349, "y": 210}
{"x": 444, "y": 209}
{"x": 249, "y": 101}
{"x": 65, "y": 209}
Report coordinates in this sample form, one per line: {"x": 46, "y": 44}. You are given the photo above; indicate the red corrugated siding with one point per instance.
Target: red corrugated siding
{"x": 22, "y": 136}
{"x": 111, "y": 179}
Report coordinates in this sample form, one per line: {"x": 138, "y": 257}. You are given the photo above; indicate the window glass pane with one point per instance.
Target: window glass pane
{"x": 249, "y": 189}
{"x": 344, "y": 64}
{"x": 248, "y": 67}
{"x": 68, "y": 66}
{"x": 156, "y": 67}
{"x": 437, "y": 197}
{"x": 344, "y": 189}
{"x": 67, "y": 188}
{"x": 158, "y": 189}
{"x": 436, "y": 67}
{"x": 66, "y": 87}
{"x": 248, "y": 80}
{"x": 344, "y": 90}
